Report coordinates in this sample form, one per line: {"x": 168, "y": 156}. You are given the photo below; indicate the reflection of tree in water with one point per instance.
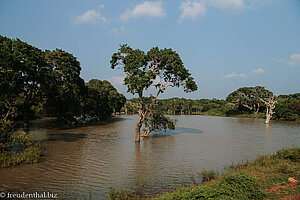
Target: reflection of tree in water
{"x": 178, "y": 130}
{"x": 268, "y": 128}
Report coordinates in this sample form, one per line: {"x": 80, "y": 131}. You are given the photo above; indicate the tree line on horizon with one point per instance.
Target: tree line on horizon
{"x": 287, "y": 107}
{"x": 36, "y": 83}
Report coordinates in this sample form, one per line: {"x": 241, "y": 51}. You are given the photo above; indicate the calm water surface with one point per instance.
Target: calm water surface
{"x": 94, "y": 158}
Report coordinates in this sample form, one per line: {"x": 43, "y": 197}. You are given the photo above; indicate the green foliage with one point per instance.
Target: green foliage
{"x": 121, "y": 194}
{"x": 158, "y": 122}
{"x": 292, "y": 154}
{"x": 21, "y": 149}
{"x": 177, "y": 106}
{"x": 64, "y": 85}
{"x": 6, "y": 128}
{"x": 251, "y": 98}
{"x": 142, "y": 70}
{"x": 23, "y": 71}
{"x": 27, "y": 156}
{"x": 35, "y": 82}
{"x": 103, "y": 99}
{"x": 208, "y": 175}
{"x": 230, "y": 186}
{"x": 288, "y": 107}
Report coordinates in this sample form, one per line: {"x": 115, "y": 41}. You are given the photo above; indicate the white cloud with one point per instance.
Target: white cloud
{"x": 235, "y": 75}
{"x": 148, "y": 8}
{"x": 90, "y": 16}
{"x": 117, "y": 31}
{"x": 227, "y": 3}
{"x": 117, "y": 80}
{"x": 126, "y": 15}
{"x": 192, "y": 10}
{"x": 294, "y": 60}
{"x": 257, "y": 71}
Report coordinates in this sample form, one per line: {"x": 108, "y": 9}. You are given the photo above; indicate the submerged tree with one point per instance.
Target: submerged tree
{"x": 160, "y": 68}
{"x": 270, "y": 103}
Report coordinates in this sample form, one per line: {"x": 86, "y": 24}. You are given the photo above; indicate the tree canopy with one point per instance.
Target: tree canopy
{"x": 36, "y": 83}
{"x": 103, "y": 99}
{"x": 249, "y": 97}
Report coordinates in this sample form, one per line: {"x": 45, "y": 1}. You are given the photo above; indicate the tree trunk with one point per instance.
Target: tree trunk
{"x": 268, "y": 118}
{"x": 26, "y": 117}
{"x": 138, "y": 128}
{"x": 26, "y": 125}
{"x": 138, "y": 131}
{"x": 256, "y": 111}
{"x": 270, "y": 109}
{"x": 126, "y": 110}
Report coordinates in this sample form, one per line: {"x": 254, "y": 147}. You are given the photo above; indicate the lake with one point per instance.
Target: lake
{"x": 93, "y": 158}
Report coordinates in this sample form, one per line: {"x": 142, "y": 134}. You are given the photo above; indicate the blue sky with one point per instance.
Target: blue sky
{"x": 226, "y": 44}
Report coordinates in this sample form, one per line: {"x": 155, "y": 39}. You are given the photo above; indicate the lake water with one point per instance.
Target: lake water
{"x": 91, "y": 159}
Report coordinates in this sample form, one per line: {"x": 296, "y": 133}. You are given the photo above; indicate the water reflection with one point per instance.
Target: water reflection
{"x": 102, "y": 155}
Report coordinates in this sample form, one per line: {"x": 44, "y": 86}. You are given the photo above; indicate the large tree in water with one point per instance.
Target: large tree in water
{"x": 160, "y": 68}
{"x": 253, "y": 98}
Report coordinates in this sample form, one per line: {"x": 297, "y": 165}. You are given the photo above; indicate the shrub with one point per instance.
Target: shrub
{"x": 208, "y": 175}
{"x": 239, "y": 186}
{"x": 121, "y": 194}
{"x": 292, "y": 154}
{"x": 20, "y": 150}
{"x": 231, "y": 186}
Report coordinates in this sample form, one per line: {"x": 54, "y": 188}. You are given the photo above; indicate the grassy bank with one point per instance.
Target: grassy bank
{"x": 267, "y": 177}
{"x": 21, "y": 149}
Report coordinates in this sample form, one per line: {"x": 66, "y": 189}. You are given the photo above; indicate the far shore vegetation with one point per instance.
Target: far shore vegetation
{"x": 287, "y": 107}
{"x": 267, "y": 177}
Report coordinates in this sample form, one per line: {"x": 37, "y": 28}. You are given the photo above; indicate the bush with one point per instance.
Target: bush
{"x": 121, "y": 194}
{"x": 208, "y": 175}
{"x": 6, "y": 127}
{"x": 230, "y": 186}
{"x": 27, "y": 156}
{"x": 239, "y": 186}
{"x": 21, "y": 149}
{"x": 292, "y": 154}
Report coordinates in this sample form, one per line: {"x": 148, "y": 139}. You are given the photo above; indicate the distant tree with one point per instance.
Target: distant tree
{"x": 247, "y": 97}
{"x": 103, "y": 99}
{"x": 288, "y": 107}
{"x": 142, "y": 69}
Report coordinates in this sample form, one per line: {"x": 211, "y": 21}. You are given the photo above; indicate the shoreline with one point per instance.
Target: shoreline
{"x": 273, "y": 176}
